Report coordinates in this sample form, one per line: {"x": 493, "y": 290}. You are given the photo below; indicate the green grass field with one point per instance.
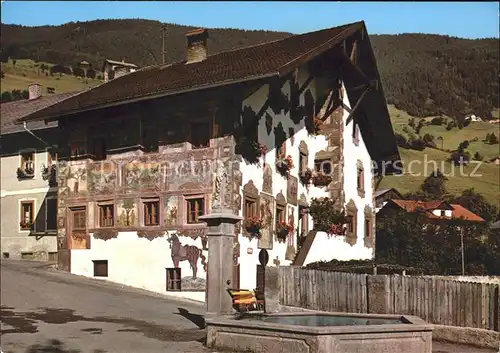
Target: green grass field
{"x": 485, "y": 180}
{"x": 419, "y": 164}
{"x": 25, "y": 72}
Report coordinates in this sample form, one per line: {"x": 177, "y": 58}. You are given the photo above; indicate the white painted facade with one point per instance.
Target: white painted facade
{"x": 16, "y": 243}
{"x": 141, "y": 263}
{"x": 136, "y": 262}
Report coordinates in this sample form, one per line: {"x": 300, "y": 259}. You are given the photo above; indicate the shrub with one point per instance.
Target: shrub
{"x": 429, "y": 140}
{"x": 459, "y": 157}
{"x": 437, "y": 121}
{"x": 401, "y": 141}
{"x": 478, "y": 156}
{"x": 417, "y": 144}
{"x": 463, "y": 145}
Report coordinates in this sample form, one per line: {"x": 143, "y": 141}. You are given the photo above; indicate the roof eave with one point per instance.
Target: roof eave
{"x": 304, "y": 58}
{"x": 39, "y": 116}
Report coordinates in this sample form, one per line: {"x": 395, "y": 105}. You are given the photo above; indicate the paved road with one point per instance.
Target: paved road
{"x": 39, "y": 305}
{"x": 44, "y": 310}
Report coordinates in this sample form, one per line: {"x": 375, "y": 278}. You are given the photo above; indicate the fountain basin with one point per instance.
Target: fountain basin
{"x": 313, "y": 332}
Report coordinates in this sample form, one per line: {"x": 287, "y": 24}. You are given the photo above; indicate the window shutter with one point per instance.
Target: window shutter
{"x": 51, "y": 208}
{"x": 41, "y": 217}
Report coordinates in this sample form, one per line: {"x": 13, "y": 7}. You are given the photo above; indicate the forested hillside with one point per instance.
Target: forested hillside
{"x": 422, "y": 74}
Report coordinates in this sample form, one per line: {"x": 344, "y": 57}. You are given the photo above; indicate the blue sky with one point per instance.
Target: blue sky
{"x": 461, "y": 19}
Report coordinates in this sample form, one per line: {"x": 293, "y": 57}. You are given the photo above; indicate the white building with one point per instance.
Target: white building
{"x": 140, "y": 166}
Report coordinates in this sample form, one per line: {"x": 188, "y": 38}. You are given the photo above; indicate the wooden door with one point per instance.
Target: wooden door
{"x": 78, "y": 231}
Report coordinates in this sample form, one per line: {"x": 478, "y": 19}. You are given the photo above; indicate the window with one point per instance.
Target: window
{"x": 280, "y": 213}
{"x": 194, "y": 209}
{"x": 443, "y": 213}
{"x": 250, "y": 207}
{"x": 106, "y": 215}
{"x": 368, "y": 228}
{"x": 281, "y": 150}
{"x": 304, "y": 220}
{"x": 79, "y": 219}
{"x": 27, "y": 215}
{"x": 27, "y": 162}
{"x": 99, "y": 148}
{"x": 200, "y": 135}
{"x": 302, "y": 162}
{"x": 100, "y": 268}
{"x": 51, "y": 214}
{"x": 151, "y": 212}
{"x": 324, "y": 166}
{"x": 355, "y": 133}
{"x": 350, "y": 224}
{"x": 173, "y": 279}
{"x": 360, "y": 178}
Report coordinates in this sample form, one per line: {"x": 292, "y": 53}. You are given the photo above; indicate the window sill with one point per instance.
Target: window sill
{"x": 52, "y": 233}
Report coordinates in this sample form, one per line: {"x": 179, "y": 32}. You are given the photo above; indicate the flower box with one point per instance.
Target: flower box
{"x": 306, "y": 176}
{"x": 282, "y": 230}
{"x": 253, "y": 225}
{"x": 284, "y": 165}
{"x": 320, "y": 179}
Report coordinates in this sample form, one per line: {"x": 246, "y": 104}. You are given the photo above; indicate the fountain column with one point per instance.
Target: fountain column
{"x": 221, "y": 223}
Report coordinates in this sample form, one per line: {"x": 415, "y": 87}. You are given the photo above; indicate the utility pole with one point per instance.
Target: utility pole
{"x": 163, "y": 33}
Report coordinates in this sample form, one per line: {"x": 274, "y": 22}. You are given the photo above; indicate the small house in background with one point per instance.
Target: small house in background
{"x": 51, "y": 90}
{"x": 114, "y": 69}
{"x": 473, "y": 118}
{"x": 495, "y": 160}
{"x": 382, "y": 196}
{"x": 434, "y": 210}
{"x": 85, "y": 66}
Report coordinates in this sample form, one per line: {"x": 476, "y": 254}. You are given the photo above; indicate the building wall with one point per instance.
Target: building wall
{"x": 137, "y": 256}
{"x": 16, "y": 242}
{"x": 324, "y": 247}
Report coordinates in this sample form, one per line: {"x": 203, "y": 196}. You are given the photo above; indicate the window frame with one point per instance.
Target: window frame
{"x": 360, "y": 179}
{"x": 173, "y": 283}
{"x": 78, "y": 210}
{"x": 32, "y": 214}
{"x": 100, "y": 207}
{"x": 187, "y": 200}
{"x": 144, "y": 203}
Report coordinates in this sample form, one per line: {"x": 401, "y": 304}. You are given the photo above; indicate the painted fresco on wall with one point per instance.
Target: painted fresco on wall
{"x": 170, "y": 208}
{"x": 126, "y": 212}
{"x": 101, "y": 177}
{"x": 267, "y": 214}
{"x": 188, "y": 170}
{"x": 76, "y": 180}
{"x": 292, "y": 189}
{"x": 144, "y": 176}
{"x": 195, "y": 257}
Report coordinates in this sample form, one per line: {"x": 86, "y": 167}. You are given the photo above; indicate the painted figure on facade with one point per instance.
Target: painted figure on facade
{"x": 188, "y": 253}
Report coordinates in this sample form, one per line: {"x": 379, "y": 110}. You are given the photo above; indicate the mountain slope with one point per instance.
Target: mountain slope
{"x": 422, "y": 74}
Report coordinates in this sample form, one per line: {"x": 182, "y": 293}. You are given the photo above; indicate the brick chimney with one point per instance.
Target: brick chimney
{"x": 35, "y": 91}
{"x": 196, "y": 45}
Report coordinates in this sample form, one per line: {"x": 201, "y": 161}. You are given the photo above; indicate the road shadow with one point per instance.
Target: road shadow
{"x": 27, "y": 322}
{"x": 196, "y": 319}
{"x": 55, "y": 346}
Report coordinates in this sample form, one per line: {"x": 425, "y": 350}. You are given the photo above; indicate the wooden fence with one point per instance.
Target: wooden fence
{"x": 435, "y": 300}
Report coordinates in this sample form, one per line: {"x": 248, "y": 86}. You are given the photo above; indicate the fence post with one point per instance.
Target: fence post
{"x": 378, "y": 297}
{"x": 272, "y": 289}
{"x": 497, "y": 309}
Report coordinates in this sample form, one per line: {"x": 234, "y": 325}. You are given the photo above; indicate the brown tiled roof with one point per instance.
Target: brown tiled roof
{"x": 458, "y": 211}
{"x": 11, "y": 111}
{"x": 252, "y": 62}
